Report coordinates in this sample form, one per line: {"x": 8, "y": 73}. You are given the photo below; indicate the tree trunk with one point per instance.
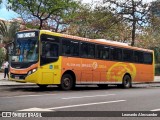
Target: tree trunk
{"x": 6, "y": 57}
{"x": 133, "y": 32}
{"x": 134, "y": 23}
{"x": 56, "y": 30}
{"x": 41, "y": 22}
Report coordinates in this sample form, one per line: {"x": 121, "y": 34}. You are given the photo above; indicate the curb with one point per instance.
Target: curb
{"x": 5, "y": 82}
{"x": 154, "y": 82}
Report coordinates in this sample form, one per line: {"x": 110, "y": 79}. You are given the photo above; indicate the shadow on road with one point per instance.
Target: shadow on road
{"x": 51, "y": 88}
{"x": 17, "y": 90}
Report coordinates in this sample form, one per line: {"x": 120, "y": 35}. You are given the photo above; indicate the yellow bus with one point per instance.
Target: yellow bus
{"x": 48, "y": 58}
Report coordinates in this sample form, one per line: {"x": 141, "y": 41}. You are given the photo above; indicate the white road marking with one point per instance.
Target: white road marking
{"x": 27, "y": 96}
{"x": 87, "y": 104}
{"x": 35, "y": 109}
{"x": 155, "y": 110}
{"x": 69, "y": 106}
{"x": 88, "y": 96}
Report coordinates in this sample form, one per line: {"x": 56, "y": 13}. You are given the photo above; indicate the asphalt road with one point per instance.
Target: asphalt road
{"x": 142, "y": 97}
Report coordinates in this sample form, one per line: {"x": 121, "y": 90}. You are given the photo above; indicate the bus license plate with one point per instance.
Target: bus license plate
{"x": 16, "y": 77}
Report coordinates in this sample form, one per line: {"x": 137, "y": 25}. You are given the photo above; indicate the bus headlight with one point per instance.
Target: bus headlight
{"x": 32, "y": 71}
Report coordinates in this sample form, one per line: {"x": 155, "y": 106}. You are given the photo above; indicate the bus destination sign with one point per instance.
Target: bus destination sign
{"x": 26, "y": 35}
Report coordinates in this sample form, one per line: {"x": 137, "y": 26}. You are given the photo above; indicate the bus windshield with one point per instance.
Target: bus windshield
{"x": 26, "y": 50}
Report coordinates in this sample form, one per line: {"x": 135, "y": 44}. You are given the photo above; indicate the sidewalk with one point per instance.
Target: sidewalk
{"x": 7, "y": 82}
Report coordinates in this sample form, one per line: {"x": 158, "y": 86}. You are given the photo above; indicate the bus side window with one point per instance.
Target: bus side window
{"x": 116, "y": 53}
{"x": 87, "y": 50}
{"x": 148, "y": 58}
{"x": 70, "y": 47}
{"x": 138, "y": 57}
{"x": 74, "y": 48}
{"x": 51, "y": 50}
{"x": 91, "y": 51}
{"x": 127, "y": 55}
{"x": 102, "y": 52}
{"x": 84, "y": 50}
{"x": 66, "y": 47}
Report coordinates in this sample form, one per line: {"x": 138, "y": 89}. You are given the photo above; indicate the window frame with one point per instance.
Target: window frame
{"x": 87, "y": 56}
{"x": 71, "y": 41}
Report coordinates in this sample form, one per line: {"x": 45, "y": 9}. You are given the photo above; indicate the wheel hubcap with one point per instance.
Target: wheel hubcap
{"x": 66, "y": 82}
{"x": 127, "y": 82}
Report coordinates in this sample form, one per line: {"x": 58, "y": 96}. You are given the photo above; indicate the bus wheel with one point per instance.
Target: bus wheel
{"x": 127, "y": 83}
{"x": 42, "y": 86}
{"x": 67, "y": 82}
{"x": 103, "y": 86}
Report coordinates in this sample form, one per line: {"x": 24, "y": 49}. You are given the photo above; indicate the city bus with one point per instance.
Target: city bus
{"x": 49, "y": 58}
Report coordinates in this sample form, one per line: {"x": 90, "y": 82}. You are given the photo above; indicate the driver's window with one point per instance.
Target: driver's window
{"x": 50, "y": 49}
{"x": 49, "y": 52}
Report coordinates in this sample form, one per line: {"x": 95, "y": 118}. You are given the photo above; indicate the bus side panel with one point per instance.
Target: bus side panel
{"x": 99, "y": 71}
{"x": 117, "y": 70}
{"x": 47, "y": 74}
{"x": 145, "y": 73}
{"x": 73, "y": 64}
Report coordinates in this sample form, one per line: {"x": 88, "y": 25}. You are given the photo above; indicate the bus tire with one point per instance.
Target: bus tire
{"x": 127, "y": 82}
{"x": 103, "y": 86}
{"x": 42, "y": 86}
{"x": 67, "y": 82}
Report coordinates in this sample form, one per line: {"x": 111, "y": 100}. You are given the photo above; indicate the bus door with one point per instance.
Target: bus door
{"x": 48, "y": 60}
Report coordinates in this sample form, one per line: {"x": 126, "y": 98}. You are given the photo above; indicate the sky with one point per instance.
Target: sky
{"x": 9, "y": 14}
{"x": 6, "y": 14}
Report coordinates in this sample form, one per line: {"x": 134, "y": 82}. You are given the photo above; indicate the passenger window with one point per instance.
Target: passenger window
{"x": 127, "y": 55}
{"x": 138, "y": 57}
{"x": 87, "y": 50}
{"x": 116, "y": 54}
{"x": 148, "y": 58}
{"x": 102, "y": 52}
{"x": 70, "y": 47}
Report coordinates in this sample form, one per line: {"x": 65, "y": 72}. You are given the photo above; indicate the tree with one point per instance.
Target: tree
{"x": 134, "y": 12}
{"x": 7, "y": 31}
{"x": 41, "y": 10}
{"x": 151, "y": 37}
{"x": 2, "y": 56}
{"x": 98, "y": 22}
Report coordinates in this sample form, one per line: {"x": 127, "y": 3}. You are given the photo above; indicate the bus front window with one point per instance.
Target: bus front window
{"x": 26, "y": 50}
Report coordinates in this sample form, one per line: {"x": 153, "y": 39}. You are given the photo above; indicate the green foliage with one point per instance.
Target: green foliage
{"x": 157, "y": 69}
{"x": 157, "y": 54}
{"x": 2, "y": 56}
{"x": 41, "y": 9}
{"x": 3, "y": 28}
{"x": 7, "y": 31}
{"x": 98, "y": 22}
{"x": 133, "y": 12}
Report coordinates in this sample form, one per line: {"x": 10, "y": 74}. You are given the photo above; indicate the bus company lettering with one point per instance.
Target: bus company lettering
{"x": 79, "y": 65}
{"x": 94, "y": 65}
{"x": 122, "y": 68}
{"x": 73, "y": 65}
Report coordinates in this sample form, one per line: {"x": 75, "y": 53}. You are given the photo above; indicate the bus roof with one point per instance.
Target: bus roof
{"x": 98, "y": 41}
{"x": 112, "y": 42}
